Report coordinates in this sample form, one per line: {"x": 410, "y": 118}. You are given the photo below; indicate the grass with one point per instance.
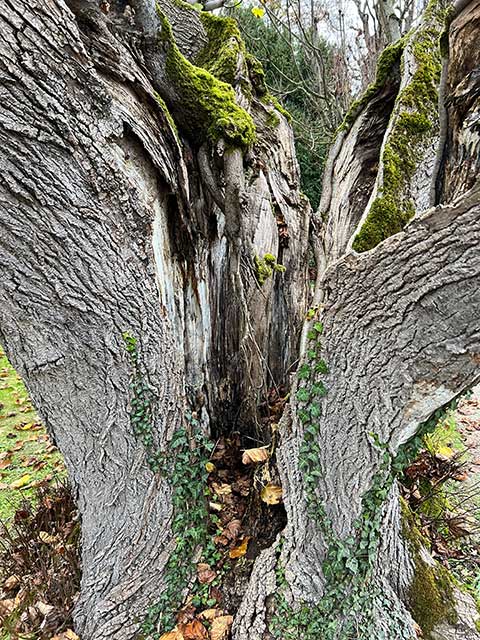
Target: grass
{"x": 27, "y": 456}
{"x": 445, "y": 436}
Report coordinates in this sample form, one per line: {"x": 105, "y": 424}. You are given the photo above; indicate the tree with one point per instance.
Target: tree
{"x": 154, "y": 288}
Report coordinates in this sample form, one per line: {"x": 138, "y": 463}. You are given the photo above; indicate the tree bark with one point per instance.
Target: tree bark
{"x": 140, "y": 254}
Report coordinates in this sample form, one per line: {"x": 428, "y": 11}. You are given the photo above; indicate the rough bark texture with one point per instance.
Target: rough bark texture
{"x": 121, "y": 210}
{"x": 107, "y": 227}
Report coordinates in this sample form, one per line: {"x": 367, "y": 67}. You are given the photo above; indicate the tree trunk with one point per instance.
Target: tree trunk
{"x": 154, "y": 258}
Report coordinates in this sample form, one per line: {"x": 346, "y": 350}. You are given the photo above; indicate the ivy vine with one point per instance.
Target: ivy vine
{"x": 351, "y": 597}
{"x": 185, "y": 468}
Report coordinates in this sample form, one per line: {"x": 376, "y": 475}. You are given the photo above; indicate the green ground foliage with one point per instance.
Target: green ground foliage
{"x": 27, "y": 457}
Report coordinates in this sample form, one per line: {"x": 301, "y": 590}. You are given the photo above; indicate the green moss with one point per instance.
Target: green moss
{"x": 269, "y": 99}
{"x": 208, "y": 109}
{"x": 416, "y": 120}
{"x": 264, "y": 267}
{"x": 256, "y": 74}
{"x": 431, "y": 594}
{"x": 387, "y": 61}
{"x": 225, "y": 44}
{"x": 168, "y": 115}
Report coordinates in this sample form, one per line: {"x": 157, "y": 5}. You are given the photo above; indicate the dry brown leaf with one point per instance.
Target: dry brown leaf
{"x": 220, "y": 627}
{"x": 5, "y": 463}
{"x": 71, "y": 635}
{"x": 11, "y": 582}
{"x": 205, "y": 573}
{"x": 221, "y": 489}
{"x": 6, "y": 607}
{"x": 253, "y": 456}
{"x": 241, "y": 548}
{"x": 271, "y": 493}
{"x": 44, "y": 609}
{"x": 210, "y": 614}
{"x": 233, "y": 529}
{"x": 194, "y": 631}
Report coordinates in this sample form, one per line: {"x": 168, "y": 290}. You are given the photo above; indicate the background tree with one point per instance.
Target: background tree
{"x": 149, "y": 205}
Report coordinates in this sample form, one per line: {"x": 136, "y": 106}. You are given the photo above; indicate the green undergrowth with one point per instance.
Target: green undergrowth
{"x": 352, "y": 599}
{"x": 27, "y": 457}
{"x": 415, "y": 120}
{"x": 184, "y": 466}
{"x": 206, "y": 107}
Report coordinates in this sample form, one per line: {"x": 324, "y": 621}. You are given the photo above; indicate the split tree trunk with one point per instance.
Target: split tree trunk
{"x": 114, "y": 222}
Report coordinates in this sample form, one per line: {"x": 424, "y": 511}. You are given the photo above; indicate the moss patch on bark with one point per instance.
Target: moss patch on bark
{"x": 431, "y": 597}
{"x": 387, "y": 61}
{"x": 208, "y": 110}
{"x": 416, "y": 122}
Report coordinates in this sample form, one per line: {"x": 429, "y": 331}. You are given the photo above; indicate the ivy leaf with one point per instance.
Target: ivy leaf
{"x": 318, "y": 326}
{"x": 303, "y": 395}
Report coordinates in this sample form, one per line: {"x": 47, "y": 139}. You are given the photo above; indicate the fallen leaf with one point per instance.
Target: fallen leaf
{"x": 11, "y": 582}
{"x": 205, "y": 573}
{"x": 27, "y": 426}
{"x": 271, "y": 493}
{"x": 233, "y": 529}
{"x": 44, "y": 609}
{"x": 6, "y": 607}
{"x": 444, "y": 452}
{"x": 253, "y": 456}
{"x": 46, "y": 537}
{"x": 210, "y": 614}
{"x": 21, "y": 482}
{"x": 71, "y": 635}
{"x": 241, "y": 549}
{"x": 221, "y": 489}
{"x": 220, "y": 627}
{"x": 194, "y": 631}
{"x": 18, "y": 445}
{"x": 5, "y": 463}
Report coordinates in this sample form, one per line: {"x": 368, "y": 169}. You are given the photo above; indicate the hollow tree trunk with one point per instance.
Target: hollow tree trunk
{"x": 143, "y": 225}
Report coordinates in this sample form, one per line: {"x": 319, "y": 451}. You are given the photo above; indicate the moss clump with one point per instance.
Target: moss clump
{"x": 431, "y": 594}
{"x": 225, "y": 44}
{"x": 416, "y": 120}
{"x": 264, "y": 267}
{"x": 256, "y": 74}
{"x": 385, "y": 68}
{"x": 208, "y": 110}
